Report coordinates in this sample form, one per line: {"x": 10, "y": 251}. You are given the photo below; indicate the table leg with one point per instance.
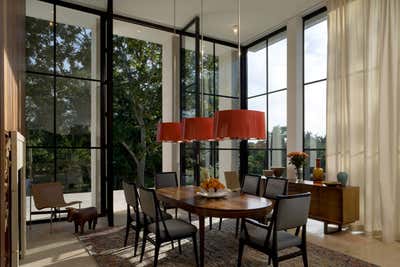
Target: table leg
{"x": 201, "y": 231}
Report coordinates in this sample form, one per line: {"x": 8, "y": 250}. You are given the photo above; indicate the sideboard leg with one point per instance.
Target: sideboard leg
{"x": 326, "y": 229}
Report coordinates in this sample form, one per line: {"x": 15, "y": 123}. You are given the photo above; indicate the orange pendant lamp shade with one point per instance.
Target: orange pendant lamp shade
{"x": 239, "y": 124}
{"x": 169, "y": 132}
{"x": 198, "y": 129}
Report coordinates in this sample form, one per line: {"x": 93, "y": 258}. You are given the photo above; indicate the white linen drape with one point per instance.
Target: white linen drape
{"x": 363, "y": 106}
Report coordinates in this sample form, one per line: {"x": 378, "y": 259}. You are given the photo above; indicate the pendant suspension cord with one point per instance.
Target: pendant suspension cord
{"x": 201, "y": 60}
{"x": 174, "y": 61}
{"x": 239, "y": 53}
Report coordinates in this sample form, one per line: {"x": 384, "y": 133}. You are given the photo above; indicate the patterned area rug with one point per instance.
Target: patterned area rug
{"x": 221, "y": 249}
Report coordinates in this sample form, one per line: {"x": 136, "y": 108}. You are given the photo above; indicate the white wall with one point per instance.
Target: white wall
{"x": 170, "y": 99}
{"x": 294, "y": 88}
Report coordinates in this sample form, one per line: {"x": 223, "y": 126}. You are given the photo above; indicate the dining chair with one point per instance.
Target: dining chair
{"x": 232, "y": 180}
{"x": 274, "y": 187}
{"x": 251, "y": 186}
{"x": 168, "y": 179}
{"x": 164, "y": 230}
{"x": 135, "y": 220}
{"x": 291, "y": 211}
{"x": 50, "y": 196}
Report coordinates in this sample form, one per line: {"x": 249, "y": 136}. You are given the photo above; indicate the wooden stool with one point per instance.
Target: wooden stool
{"x": 81, "y": 216}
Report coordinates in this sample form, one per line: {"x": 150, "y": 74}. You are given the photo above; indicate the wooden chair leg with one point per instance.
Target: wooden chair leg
{"x": 156, "y": 251}
{"x": 194, "y": 241}
{"x": 137, "y": 232}
{"x": 51, "y": 220}
{"x": 241, "y": 248}
{"x": 304, "y": 256}
{"x": 190, "y": 217}
{"x": 210, "y": 223}
{"x": 143, "y": 245}
{"x": 180, "y": 247}
{"x": 176, "y": 213}
{"x": 220, "y": 224}
{"x": 127, "y": 231}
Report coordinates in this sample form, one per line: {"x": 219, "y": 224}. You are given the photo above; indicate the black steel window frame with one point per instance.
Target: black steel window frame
{"x": 267, "y": 150}
{"x": 56, "y": 75}
{"x": 106, "y": 91}
{"x": 195, "y": 146}
{"x": 305, "y": 19}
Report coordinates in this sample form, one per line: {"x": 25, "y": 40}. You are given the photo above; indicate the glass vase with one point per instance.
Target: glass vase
{"x": 299, "y": 174}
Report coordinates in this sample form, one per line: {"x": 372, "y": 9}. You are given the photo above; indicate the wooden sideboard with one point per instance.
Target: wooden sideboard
{"x": 331, "y": 205}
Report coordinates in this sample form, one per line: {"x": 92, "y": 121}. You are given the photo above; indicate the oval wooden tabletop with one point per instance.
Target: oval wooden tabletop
{"x": 235, "y": 205}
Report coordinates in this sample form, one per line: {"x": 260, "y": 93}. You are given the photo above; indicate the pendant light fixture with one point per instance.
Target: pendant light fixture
{"x": 239, "y": 123}
{"x": 169, "y": 132}
{"x": 199, "y": 128}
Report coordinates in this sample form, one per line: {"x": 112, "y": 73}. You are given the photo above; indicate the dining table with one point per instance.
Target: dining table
{"x": 233, "y": 205}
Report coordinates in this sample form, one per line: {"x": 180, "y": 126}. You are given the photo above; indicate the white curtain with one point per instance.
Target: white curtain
{"x": 363, "y": 106}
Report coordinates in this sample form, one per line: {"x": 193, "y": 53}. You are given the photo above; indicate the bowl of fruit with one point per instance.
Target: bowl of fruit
{"x": 212, "y": 188}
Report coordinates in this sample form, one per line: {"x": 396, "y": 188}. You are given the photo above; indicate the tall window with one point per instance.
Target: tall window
{"x": 219, "y": 80}
{"x": 315, "y": 74}
{"x": 267, "y": 92}
{"x": 62, "y": 96}
{"x": 137, "y": 102}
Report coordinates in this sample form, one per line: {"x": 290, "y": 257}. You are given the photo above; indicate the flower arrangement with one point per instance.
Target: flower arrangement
{"x": 298, "y": 159}
{"x": 212, "y": 185}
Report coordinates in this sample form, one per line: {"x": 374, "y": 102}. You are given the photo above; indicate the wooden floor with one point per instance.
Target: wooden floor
{"x": 61, "y": 248}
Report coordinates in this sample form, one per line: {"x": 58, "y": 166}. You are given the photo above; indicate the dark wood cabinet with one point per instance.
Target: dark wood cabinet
{"x": 332, "y": 205}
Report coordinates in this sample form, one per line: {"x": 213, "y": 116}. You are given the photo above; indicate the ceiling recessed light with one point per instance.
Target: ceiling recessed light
{"x": 235, "y": 29}
{"x": 138, "y": 31}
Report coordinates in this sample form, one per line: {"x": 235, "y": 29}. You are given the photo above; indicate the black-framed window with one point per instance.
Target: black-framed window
{"x": 218, "y": 90}
{"x": 267, "y": 92}
{"x": 315, "y": 76}
{"x": 62, "y": 96}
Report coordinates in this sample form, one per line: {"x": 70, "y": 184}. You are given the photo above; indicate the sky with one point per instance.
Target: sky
{"x": 315, "y": 64}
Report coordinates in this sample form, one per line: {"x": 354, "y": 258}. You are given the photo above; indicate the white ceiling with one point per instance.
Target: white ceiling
{"x": 257, "y": 16}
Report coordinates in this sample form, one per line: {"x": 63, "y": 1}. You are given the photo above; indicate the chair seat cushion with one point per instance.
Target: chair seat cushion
{"x": 257, "y": 236}
{"x": 176, "y": 228}
{"x": 165, "y": 215}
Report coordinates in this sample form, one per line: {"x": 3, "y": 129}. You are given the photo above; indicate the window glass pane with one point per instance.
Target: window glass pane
{"x": 277, "y": 158}
{"x": 40, "y": 165}
{"x": 73, "y": 169}
{"x": 189, "y": 105}
{"x": 259, "y": 104}
{"x": 229, "y": 160}
{"x": 208, "y": 106}
{"x": 277, "y": 62}
{"x": 189, "y": 66}
{"x": 226, "y": 71}
{"x": 189, "y": 162}
{"x": 77, "y": 112}
{"x": 39, "y": 103}
{"x": 315, "y": 49}
{"x": 226, "y": 103}
{"x": 257, "y": 70}
{"x": 315, "y": 115}
{"x": 277, "y": 119}
{"x": 39, "y": 36}
{"x": 228, "y": 144}
{"x": 207, "y": 70}
{"x": 311, "y": 161}
{"x": 77, "y": 43}
{"x": 256, "y": 161}
{"x": 207, "y": 164}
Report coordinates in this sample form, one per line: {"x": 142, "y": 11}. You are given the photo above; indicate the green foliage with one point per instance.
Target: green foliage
{"x": 137, "y": 106}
